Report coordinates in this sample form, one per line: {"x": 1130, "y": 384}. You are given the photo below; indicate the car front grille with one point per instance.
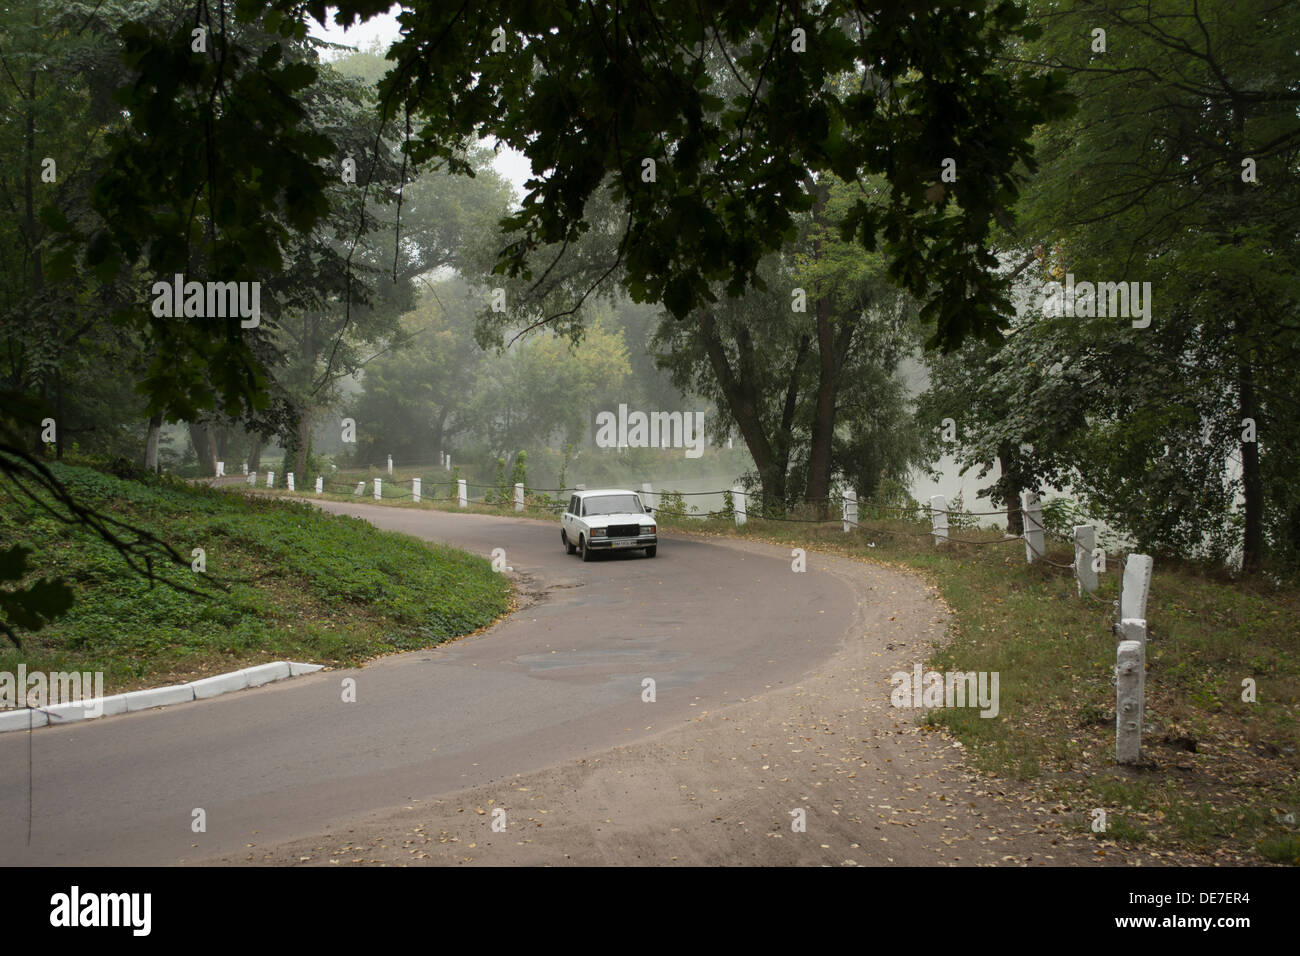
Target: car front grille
{"x": 624, "y": 530}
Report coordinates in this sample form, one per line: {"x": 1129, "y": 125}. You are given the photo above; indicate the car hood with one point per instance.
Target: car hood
{"x": 625, "y": 517}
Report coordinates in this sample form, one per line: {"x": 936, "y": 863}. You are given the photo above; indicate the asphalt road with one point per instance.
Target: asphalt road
{"x": 561, "y": 678}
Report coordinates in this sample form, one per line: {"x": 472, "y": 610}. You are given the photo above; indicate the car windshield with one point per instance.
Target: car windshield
{"x": 612, "y": 505}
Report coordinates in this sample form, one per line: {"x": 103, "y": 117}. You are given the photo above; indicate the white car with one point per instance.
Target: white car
{"x": 608, "y": 519}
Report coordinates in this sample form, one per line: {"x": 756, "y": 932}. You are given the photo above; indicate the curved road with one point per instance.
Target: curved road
{"x": 558, "y": 679}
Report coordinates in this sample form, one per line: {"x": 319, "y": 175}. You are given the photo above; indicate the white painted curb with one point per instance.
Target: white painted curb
{"x": 154, "y": 697}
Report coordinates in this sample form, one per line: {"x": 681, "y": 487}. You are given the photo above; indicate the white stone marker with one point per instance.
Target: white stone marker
{"x": 252, "y": 478}
{"x": 221, "y": 469}
{"x": 1136, "y": 584}
{"x": 519, "y": 496}
{"x": 462, "y": 496}
{"x": 245, "y": 467}
{"x": 289, "y": 479}
{"x": 1085, "y": 540}
{"x": 320, "y": 483}
{"x": 379, "y": 489}
{"x": 939, "y": 519}
{"x": 447, "y": 460}
{"x": 390, "y": 466}
{"x": 1031, "y": 513}
{"x": 738, "y": 499}
{"x": 850, "y": 510}
{"x": 1130, "y": 691}
{"x": 270, "y": 479}
{"x": 361, "y": 486}
{"x": 415, "y": 490}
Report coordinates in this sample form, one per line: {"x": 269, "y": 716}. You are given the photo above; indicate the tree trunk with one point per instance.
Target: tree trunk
{"x": 205, "y": 447}
{"x": 817, "y": 492}
{"x": 255, "y": 453}
{"x": 151, "y": 443}
{"x": 744, "y": 408}
{"x": 304, "y": 441}
{"x": 1009, "y": 487}
{"x": 1252, "y": 479}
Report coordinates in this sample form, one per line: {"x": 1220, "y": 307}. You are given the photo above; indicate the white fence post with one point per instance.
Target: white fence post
{"x": 221, "y": 469}
{"x": 252, "y": 478}
{"x": 461, "y": 495}
{"x": 647, "y": 495}
{"x": 270, "y": 479}
{"x": 519, "y": 496}
{"x": 738, "y": 501}
{"x": 361, "y": 486}
{"x": 320, "y": 483}
{"x": 1085, "y": 542}
{"x": 939, "y": 519}
{"x": 446, "y": 460}
{"x": 379, "y": 489}
{"x": 390, "y": 466}
{"x": 245, "y": 467}
{"x": 1135, "y": 586}
{"x": 289, "y": 479}
{"x": 415, "y": 490}
{"x": 1130, "y": 694}
{"x": 850, "y": 510}
{"x": 580, "y": 487}
{"x": 1031, "y": 513}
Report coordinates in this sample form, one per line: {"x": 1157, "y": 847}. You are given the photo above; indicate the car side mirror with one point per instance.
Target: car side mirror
{"x": 649, "y": 510}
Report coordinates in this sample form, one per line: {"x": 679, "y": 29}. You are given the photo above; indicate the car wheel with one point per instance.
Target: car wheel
{"x": 568, "y": 547}
{"x": 582, "y": 546}
{"x": 650, "y": 551}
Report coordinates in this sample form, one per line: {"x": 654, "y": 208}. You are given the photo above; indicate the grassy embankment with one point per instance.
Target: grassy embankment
{"x": 302, "y": 585}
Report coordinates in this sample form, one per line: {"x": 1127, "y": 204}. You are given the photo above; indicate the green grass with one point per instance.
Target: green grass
{"x": 301, "y": 585}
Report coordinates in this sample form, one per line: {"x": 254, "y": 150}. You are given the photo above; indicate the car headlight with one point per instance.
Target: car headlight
{"x": 598, "y": 532}
{"x": 647, "y": 529}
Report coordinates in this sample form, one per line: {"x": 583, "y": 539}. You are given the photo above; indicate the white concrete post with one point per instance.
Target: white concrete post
{"x": 1130, "y": 694}
{"x": 939, "y": 519}
{"x": 1136, "y": 585}
{"x": 245, "y": 467}
{"x": 270, "y": 479}
{"x": 379, "y": 488}
{"x": 221, "y": 469}
{"x": 361, "y": 486}
{"x": 519, "y": 496}
{"x": 252, "y": 478}
{"x": 580, "y": 487}
{"x": 390, "y": 466}
{"x": 446, "y": 460}
{"x": 850, "y": 510}
{"x": 461, "y": 495}
{"x": 289, "y": 479}
{"x": 320, "y": 483}
{"x": 738, "y": 499}
{"x": 1085, "y": 541}
{"x": 1031, "y": 512}
{"x": 647, "y": 495}
{"x": 415, "y": 490}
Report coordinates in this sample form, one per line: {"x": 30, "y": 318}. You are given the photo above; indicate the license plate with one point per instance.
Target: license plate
{"x": 625, "y": 542}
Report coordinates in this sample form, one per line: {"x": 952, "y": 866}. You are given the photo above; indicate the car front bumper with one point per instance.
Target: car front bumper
{"x": 620, "y": 544}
